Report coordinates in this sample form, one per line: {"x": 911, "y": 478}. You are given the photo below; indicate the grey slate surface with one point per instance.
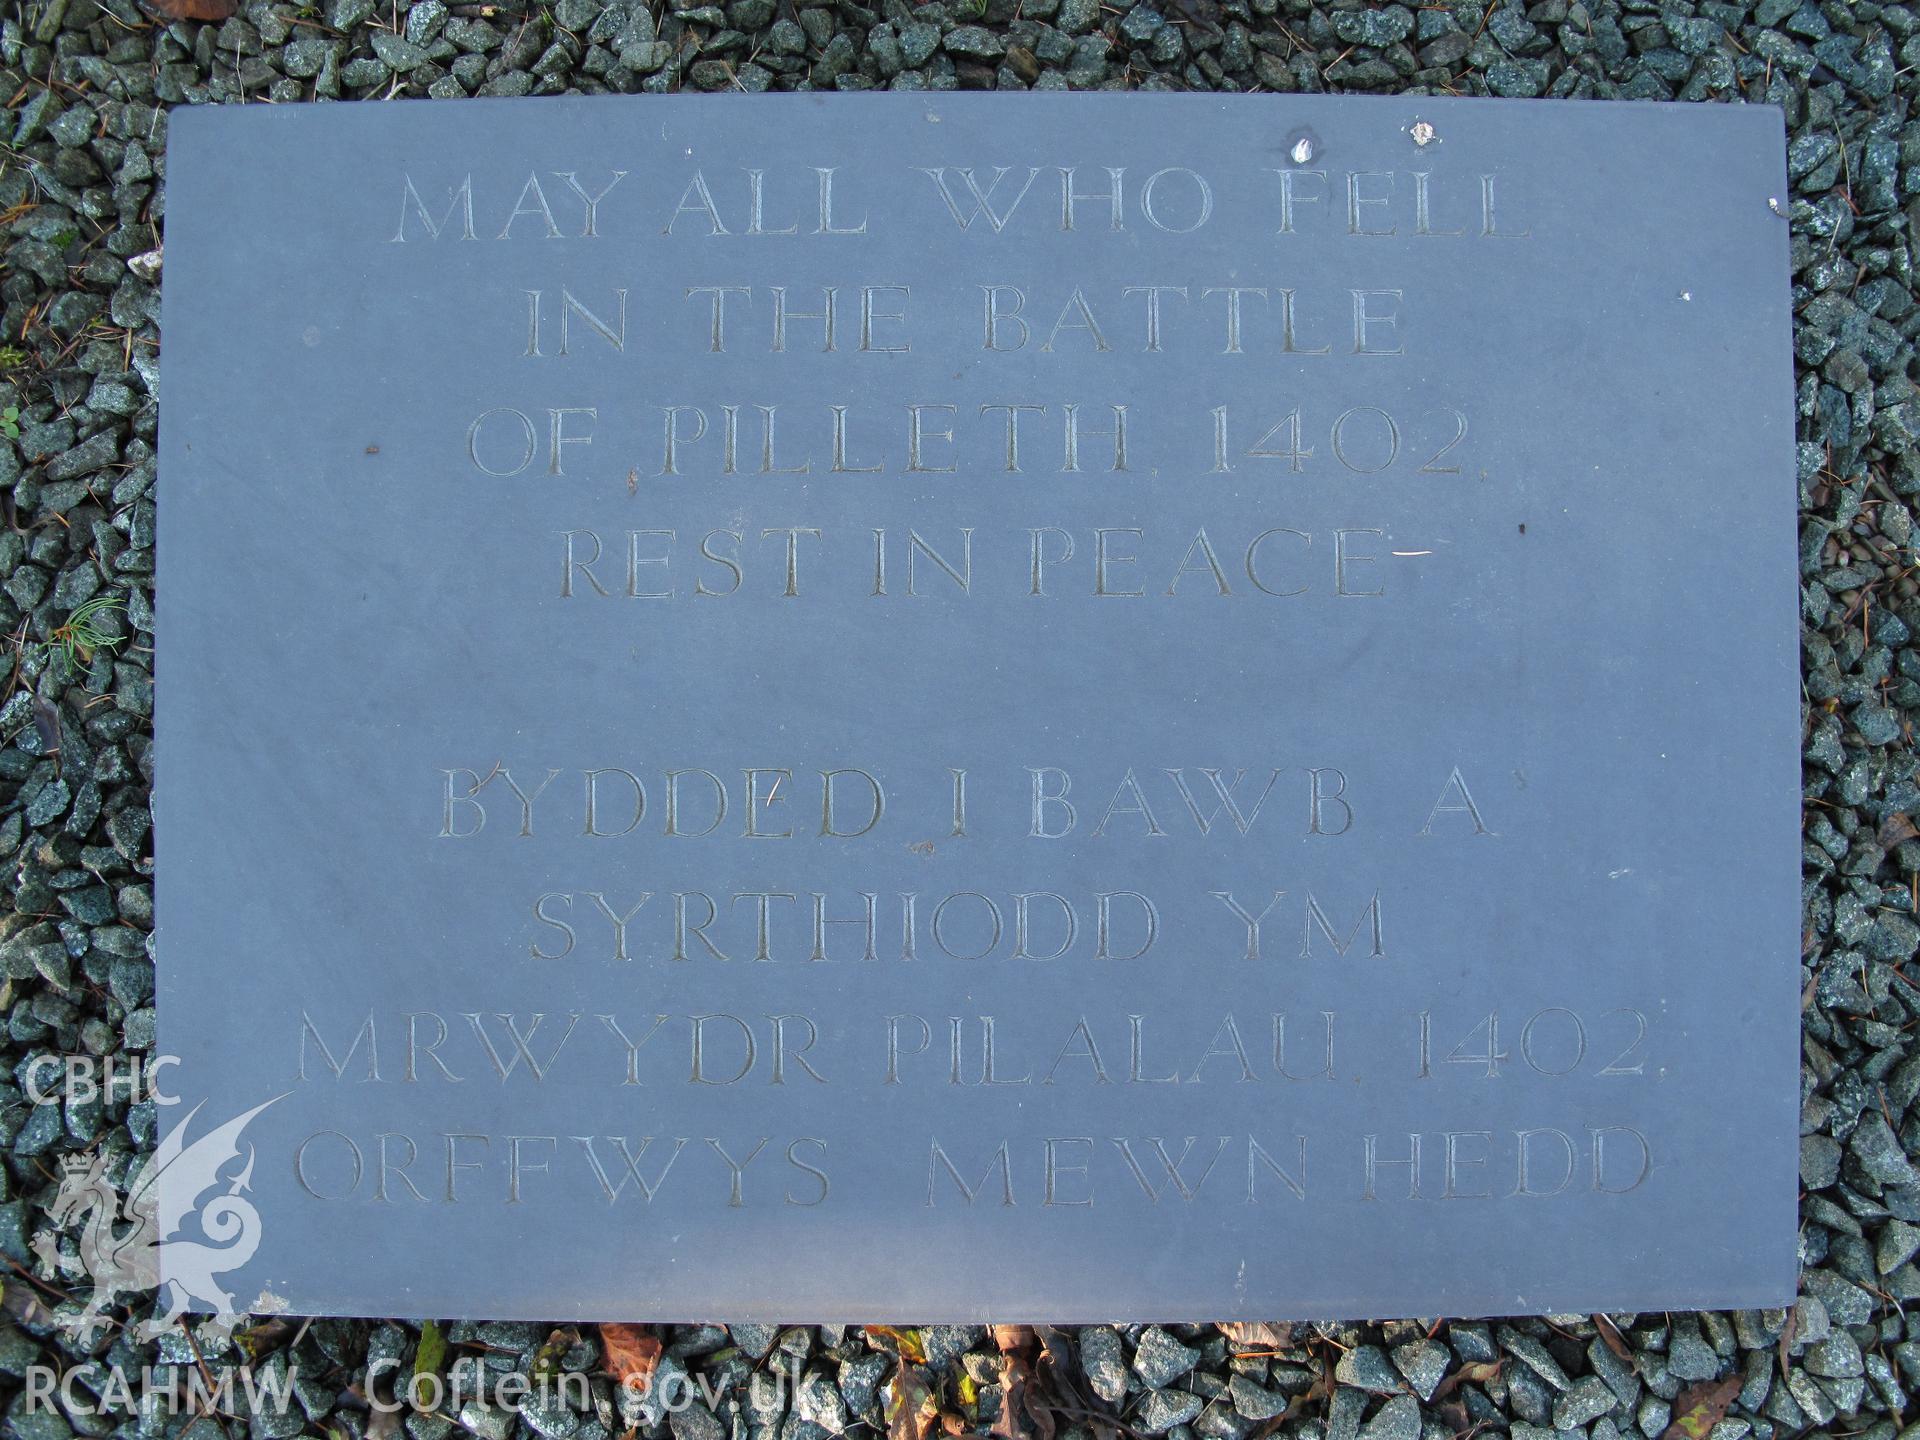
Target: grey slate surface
{"x": 1602, "y": 623}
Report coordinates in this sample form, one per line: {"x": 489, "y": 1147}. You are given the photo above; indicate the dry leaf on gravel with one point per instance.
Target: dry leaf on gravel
{"x": 1476, "y": 1374}
{"x": 193, "y": 9}
{"x": 908, "y": 1344}
{"x": 1610, "y": 1333}
{"x": 911, "y": 1409}
{"x": 1258, "y": 1334}
{"x": 632, "y": 1352}
{"x": 1700, "y": 1408}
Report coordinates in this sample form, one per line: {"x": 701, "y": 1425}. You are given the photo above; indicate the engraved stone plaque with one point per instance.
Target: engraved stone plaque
{"x": 932, "y": 707}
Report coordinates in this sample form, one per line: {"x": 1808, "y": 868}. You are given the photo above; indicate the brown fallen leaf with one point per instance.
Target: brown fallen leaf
{"x": 911, "y": 1410}
{"x": 1610, "y": 1333}
{"x": 1016, "y": 1379}
{"x": 547, "y": 1359}
{"x": 1011, "y": 1337}
{"x": 1788, "y": 1332}
{"x": 1258, "y": 1334}
{"x": 1056, "y": 1368}
{"x": 263, "y": 1337}
{"x": 908, "y": 1344}
{"x": 632, "y": 1352}
{"x": 23, "y": 1305}
{"x": 1311, "y": 1398}
{"x": 1203, "y": 12}
{"x": 193, "y": 9}
{"x": 1700, "y": 1408}
{"x": 384, "y": 1421}
{"x": 46, "y": 719}
{"x": 1475, "y": 1374}
{"x": 1896, "y": 828}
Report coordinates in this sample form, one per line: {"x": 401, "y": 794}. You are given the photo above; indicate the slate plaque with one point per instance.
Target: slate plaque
{"x": 936, "y": 707}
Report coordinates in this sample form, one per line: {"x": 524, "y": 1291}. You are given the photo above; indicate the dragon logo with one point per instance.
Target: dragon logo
{"x": 132, "y": 1243}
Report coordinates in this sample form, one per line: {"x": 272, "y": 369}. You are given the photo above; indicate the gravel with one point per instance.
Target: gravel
{"x": 1366, "y": 1366}
{"x": 81, "y": 255}
{"x": 1398, "y": 1419}
{"x": 1159, "y": 1359}
{"x": 1424, "y": 1363}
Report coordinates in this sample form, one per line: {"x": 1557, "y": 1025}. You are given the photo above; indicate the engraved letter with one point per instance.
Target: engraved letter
{"x": 982, "y": 202}
{"x": 794, "y": 1160}
{"x": 1455, "y": 1161}
{"x": 674, "y": 803}
{"x": 1042, "y": 799}
{"x": 538, "y": 207}
{"x": 1364, "y": 319}
{"x": 870, "y": 902}
{"x": 699, "y": 1074}
{"x": 781, "y": 1053}
{"x": 1357, "y": 203}
{"x": 826, "y": 225}
{"x": 1489, "y": 226}
{"x": 1129, "y": 785}
{"x": 1204, "y": 196}
{"x": 529, "y": 443}
{"x": 939, "y": 1157}
{"x": 516, "y": 1166}
{"x": 697, "y": 189}
{"x": 1524, "y": 1184}
{"x": 893, "y": 1044}
{"x": 1153, "y": 294}
{"x": 1317, "y": 916}
{"x": 558, "y": 419}
{"x": 1318, "y": 799}
{"x": 1148, "y": 910}
{"x": 540, "y": 914}
{"x": 592, "y": 202}
{"x": 793, "y": 534}
{"x": 526, "y": 800}
{"x": 1422, "y": 211}
{"x": 916, "y": 437}
{"x": 737, "y": 1168}
{"x": 1041, "y": 560}
{"x": 1296, "y": 1182}
{"x": 1456, "y": 783}
{"x": 617, "y": 920}
{"x": 1102, "y": 560}
{"x": 1076, "y": 306}
{"x": 1289, "y": 197}
{"x": 1252, "y": 922}
{"x": 1373, "y": 1165}
{"x": 996, "y": 316}
{"x": 448, "y": 831}
{"x": 1054, "y": 1169}
{"x": 631, "y": 1047}
{"x": 460, "y": 199}
{"x": 877, "y": 804}
{"x": 631, "y": 1161}
{"x": 366, "y": 1032}
{"x": 1116, "y": 208}
{"x": 1342, "y": 560}
{"x": 1600, "y": 1153}
{"x": 1253, "y": 559}
{"x": 593, "y": 801}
